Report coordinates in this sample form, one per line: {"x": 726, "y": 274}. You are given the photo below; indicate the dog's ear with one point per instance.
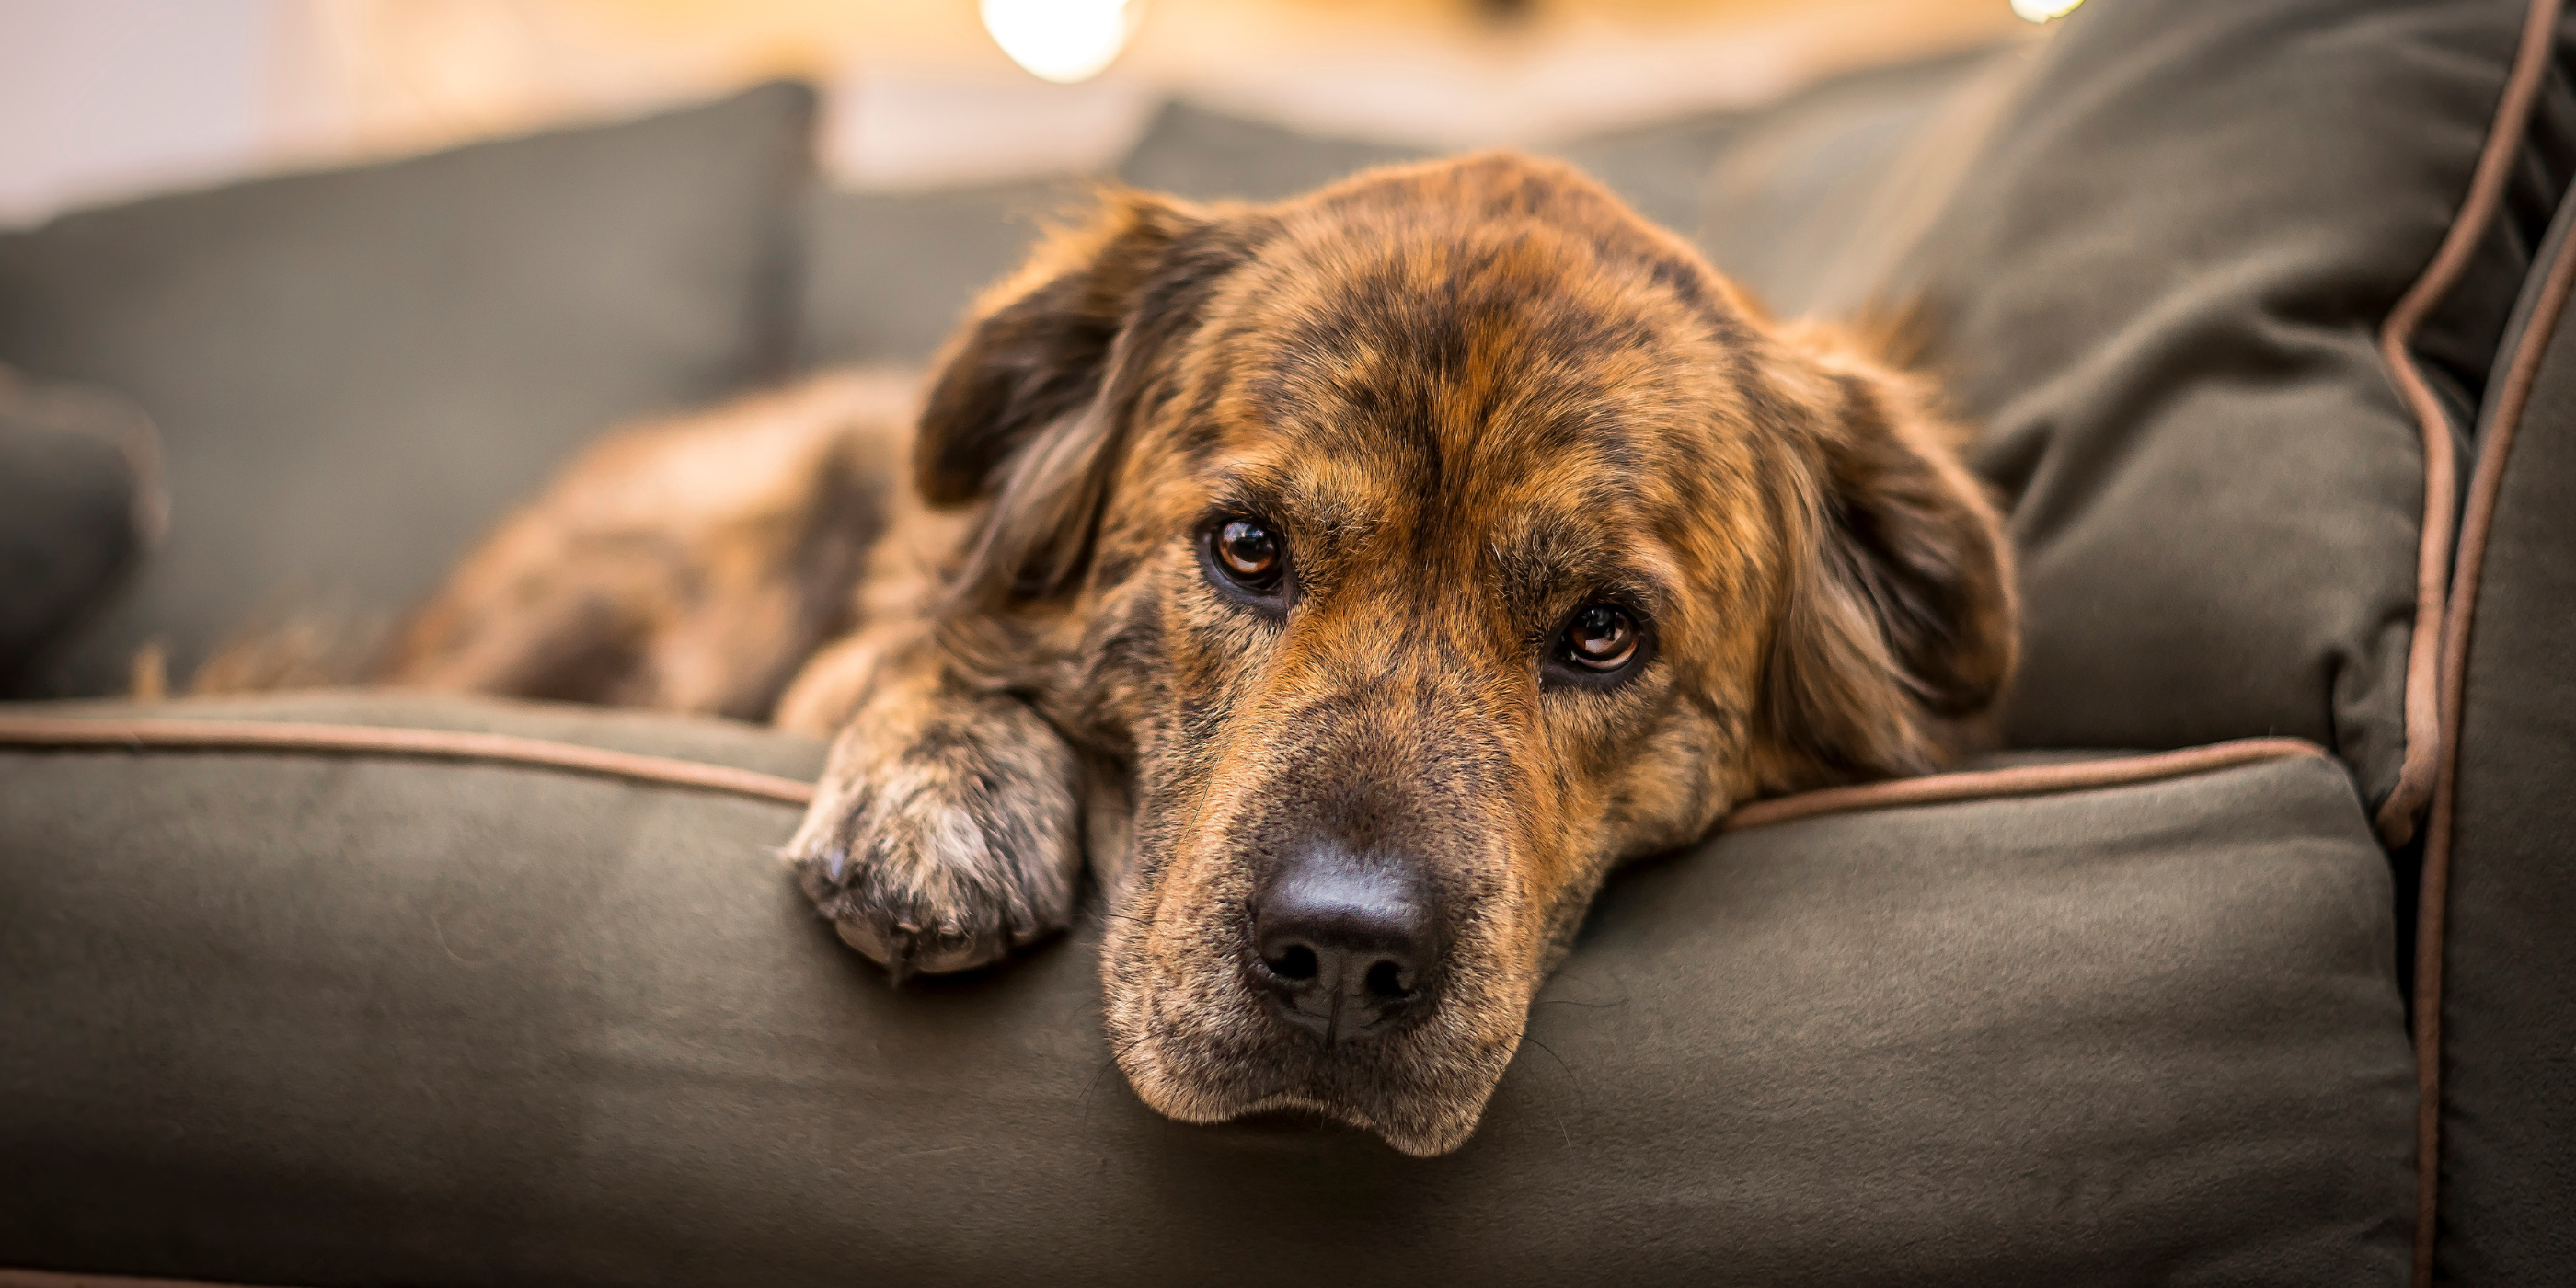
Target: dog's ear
{"x": 1026, "y": 409}
{"x": 1901, "y": 616}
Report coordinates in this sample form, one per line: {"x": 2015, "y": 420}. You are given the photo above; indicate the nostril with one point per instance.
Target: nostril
{"x": 1295, "y": 963}
{"x": 1344, "y": 944}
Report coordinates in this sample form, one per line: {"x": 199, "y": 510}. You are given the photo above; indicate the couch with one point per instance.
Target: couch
{"x": 2247, "y": 962}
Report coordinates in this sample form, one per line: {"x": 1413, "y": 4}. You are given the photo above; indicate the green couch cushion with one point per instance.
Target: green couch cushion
{"x": 304, "y": 1019}
{"x": 354, "y": 372}
{"x": 2159, "y": 289}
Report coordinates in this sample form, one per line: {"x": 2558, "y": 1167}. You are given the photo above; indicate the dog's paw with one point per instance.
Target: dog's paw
{"x": 945, "y": 836}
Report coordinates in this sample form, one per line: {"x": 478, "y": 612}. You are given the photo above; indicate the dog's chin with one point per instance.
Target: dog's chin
{"x": 1410, "y": 1091}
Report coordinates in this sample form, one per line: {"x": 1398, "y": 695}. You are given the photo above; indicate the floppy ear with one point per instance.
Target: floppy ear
{"x": 1901, "y": 614}
{"x": 1028, "y": 405}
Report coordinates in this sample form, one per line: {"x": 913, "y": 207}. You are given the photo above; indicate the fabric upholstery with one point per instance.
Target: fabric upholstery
{"x": 2506, "y": 1004}
{"x": 890, "y": 274}
{"x": 2157, "y": 289}
{"x": 1813, "y": 201}
{"x": 354, "y": 372}
{"x": 80, "y": 503}
{"x": 309, "y": 1020}
{"x": 1192, "y": 151}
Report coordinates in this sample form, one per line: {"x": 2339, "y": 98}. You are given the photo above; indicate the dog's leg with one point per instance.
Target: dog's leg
{"x": 947, "y": 828}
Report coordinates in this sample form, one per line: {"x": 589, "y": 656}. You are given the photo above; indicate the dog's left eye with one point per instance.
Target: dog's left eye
{"x": 1602, "y": 638}
{"x": 1247, "y": 553}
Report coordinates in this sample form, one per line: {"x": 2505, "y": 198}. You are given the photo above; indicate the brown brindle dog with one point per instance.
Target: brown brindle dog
{"x": 1356, "y": 580}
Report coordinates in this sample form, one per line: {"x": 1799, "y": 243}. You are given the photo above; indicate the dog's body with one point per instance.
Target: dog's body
{"x": 1356, "y": 580}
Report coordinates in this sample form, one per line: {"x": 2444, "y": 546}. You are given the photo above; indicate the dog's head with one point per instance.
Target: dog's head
{"x": 1418, "y": 550}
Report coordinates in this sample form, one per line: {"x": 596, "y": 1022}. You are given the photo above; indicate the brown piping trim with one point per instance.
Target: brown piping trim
{"x": 52, "y": 1279}
{"x": 438, "y": 744}
{"x": 2431, "y": 918}
{"x": 435, "y": 744}
{"x": 2397, "y": 814}
{"x": 2028, "y": 780}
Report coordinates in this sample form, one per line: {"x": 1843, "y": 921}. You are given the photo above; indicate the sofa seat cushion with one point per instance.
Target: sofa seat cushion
{"x": 355, "y": 372}
{"x": 303, "y": 1017}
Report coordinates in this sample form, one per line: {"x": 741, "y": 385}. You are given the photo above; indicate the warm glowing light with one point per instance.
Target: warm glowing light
{"x": 1063, "y": 40}
{"x": 2030, "y": 10}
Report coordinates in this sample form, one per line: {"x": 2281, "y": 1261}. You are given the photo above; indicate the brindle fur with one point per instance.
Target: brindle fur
{"x": 1474, "y": 395}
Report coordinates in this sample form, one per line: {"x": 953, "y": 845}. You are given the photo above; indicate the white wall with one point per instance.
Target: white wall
{"x": 103, "y": 99}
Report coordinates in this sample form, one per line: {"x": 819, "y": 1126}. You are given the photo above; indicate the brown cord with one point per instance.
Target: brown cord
{"x": 2028, "y": 780}
{"x": 364, "y": 740}
{"x": 2397, "y": 814}
{"x": 113, "y": 733}
{"x": 51, "y": 1279}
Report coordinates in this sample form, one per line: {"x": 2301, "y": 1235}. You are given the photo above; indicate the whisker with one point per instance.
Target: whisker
{"x": 1098, "y": 1074}
{"x": 1579, "y": 1100}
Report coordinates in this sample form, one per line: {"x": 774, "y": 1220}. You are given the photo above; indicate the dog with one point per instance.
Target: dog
{"x": 1354, "y": 582}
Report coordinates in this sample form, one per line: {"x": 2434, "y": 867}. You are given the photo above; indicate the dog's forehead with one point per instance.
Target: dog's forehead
{"x": 1522, "y": 372}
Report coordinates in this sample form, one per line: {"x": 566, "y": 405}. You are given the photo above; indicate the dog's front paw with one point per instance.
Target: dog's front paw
{"x": 944, "y": 836}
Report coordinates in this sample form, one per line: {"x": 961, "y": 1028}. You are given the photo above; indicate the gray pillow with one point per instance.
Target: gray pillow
{"x": 1812, "y": 202}
{"x": 1191, "y": 151}
{"x": 2159, "y": 288}
{"x": 300, "y": 1018}
{"x": 356, "y": 371}
{"x": 890, "y": 274}
{"x": 80, "y": 504}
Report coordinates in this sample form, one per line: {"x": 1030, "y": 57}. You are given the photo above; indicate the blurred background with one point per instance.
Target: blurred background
{"x": 102, "y": 100}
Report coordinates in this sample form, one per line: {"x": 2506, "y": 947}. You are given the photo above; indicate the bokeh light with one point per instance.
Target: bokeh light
{"x": 2030, "y": 10}
{"x": 1061, "y": 40}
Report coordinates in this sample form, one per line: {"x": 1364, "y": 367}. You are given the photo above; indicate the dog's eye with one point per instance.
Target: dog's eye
{"x": 1248, "y": 554}
{"x": 1601, "y": 638}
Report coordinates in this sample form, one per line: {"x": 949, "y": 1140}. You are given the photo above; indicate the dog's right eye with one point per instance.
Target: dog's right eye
{"x": 1247, "y": 553}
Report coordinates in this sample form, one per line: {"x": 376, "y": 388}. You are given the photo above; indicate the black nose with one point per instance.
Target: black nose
{"x": 1345, "y": 942}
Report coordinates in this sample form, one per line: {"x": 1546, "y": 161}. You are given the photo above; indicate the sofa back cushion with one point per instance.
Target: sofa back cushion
{"x": 1198, "y": 152}
{"x": 354, "y": 372}
{"x": 2160, "y": 288}
{"x": 889, "y": 274}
